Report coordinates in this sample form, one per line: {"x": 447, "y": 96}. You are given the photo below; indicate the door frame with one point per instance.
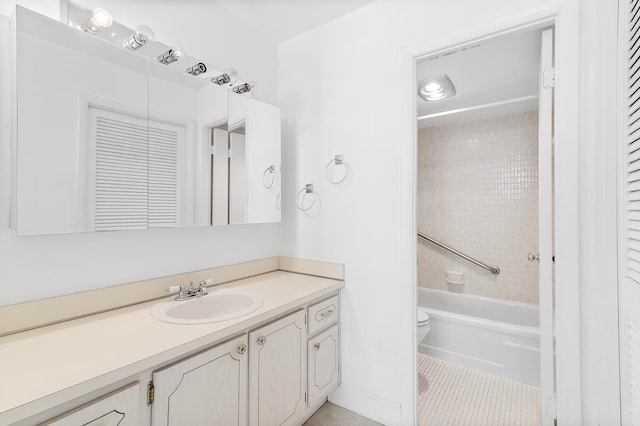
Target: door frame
{"x": 564, "y": 18}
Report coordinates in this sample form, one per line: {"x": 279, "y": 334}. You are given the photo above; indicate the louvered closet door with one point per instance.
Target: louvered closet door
{"x": 629, "y": 285}
{"x": 120, "y": 155}
{"x": 164, "y": 140}
{"x": 133, "y": 181}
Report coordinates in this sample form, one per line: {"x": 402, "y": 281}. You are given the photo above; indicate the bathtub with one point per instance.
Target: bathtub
{"x": 497, "y": 336}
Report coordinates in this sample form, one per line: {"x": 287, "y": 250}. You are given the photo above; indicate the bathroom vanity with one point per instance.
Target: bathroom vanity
{"x": 273, "y": 366}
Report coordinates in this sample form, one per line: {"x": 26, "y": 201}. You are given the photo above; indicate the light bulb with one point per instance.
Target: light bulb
{"x": 229, "y": 76}
{"x": 232, "y": 74}
{"x": 245, "y": 87}
{"x": 139, "y": 38}
{"x": 196, "y": 69}
{"x": 100, "y": 19}
{"x": 177, "y": 53}
{"x": 170, "y": 56}
{"x": 432, "y": 87}
{"x": 146, "y": 32}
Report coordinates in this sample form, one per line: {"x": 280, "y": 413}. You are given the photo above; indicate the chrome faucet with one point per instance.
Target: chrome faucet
{"x": 186, "y": 293}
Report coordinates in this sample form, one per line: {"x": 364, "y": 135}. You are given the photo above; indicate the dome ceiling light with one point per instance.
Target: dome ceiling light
{"x": 436, "y": 88}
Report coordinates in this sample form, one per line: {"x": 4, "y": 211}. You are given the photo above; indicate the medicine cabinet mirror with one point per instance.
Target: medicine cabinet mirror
{"x": 111, "y": 139}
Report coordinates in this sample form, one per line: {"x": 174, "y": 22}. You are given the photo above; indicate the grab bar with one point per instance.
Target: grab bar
{"x": 493, "y": 269}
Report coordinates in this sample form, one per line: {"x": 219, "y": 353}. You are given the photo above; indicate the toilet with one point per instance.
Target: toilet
{"x": 423, "y": 324}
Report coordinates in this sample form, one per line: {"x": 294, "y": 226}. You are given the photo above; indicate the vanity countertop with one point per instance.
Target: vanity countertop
{"x": 48, "y": 366}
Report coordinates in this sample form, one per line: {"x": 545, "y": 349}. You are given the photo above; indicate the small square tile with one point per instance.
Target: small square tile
{"x": 450, "y": 394}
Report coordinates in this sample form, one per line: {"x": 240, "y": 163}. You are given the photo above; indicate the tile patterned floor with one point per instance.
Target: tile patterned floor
{"x": 450, "y": 394}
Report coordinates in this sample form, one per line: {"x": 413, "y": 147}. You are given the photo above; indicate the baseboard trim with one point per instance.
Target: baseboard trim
{"x": 368, "y": 405}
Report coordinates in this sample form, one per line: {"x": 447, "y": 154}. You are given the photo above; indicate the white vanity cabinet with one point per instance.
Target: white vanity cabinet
{"x": 323, "y": 364}
{"x": 277, "y": 358}
{"x": 209, "y": 388}
{"x": 118, "y": 408}
{"x": 323, "y": 350}
{"x": 277, "y": 371}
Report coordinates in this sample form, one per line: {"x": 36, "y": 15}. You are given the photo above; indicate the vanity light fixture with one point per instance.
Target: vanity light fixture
{"x": 196, "y": 69}
{"x": 229, "y": 76}
{"x": 100, "y": 19}
{"x": 170, "y": 56}
{"x": 245, "y": 87}
{"x": 142, "y": 35}
{"x": 436, "y": 88}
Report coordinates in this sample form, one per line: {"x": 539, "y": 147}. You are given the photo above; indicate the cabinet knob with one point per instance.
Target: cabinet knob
{"x": 242, "y": 349}
{"x": 317, "y": 346}
{"x": 262, "y": 340}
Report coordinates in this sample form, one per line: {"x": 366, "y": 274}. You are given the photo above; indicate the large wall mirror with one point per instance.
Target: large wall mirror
{"x": 111, "y": 139}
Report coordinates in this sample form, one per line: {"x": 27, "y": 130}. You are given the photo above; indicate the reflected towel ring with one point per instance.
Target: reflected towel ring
{"x": 338, "y": 160}
{"x": 271, "y": 170}
{"x": 308, "y": 189}
{"x": 278, "y": 202}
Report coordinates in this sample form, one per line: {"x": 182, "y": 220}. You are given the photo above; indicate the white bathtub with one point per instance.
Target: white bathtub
{"x": 497, "y": 336}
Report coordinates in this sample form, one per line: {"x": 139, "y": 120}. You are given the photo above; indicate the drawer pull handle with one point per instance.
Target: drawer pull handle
{"x": 317, "y": 346}
{"x": 262, "y": 340}
{"x": 325, "y": 313}
{"x": 242, "y": 349}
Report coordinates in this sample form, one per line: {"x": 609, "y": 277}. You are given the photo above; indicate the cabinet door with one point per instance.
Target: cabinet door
{"x": 277, "y": 382}
{"x": 119, "y": 408}
{"x": 323, "y": 372}
{"x": 207, "y": 389}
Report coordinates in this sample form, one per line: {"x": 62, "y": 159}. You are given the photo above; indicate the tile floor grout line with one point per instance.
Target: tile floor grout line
{"x": 453, "y": 394}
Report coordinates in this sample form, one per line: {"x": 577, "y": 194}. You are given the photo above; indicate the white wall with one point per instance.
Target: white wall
{"x": 346, "y": 88}
{"x": 477, "y": 191}
{"x": 45, "y": 266}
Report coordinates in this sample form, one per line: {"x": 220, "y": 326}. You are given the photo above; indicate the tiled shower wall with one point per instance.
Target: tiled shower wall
{"x": 478, "y": 193}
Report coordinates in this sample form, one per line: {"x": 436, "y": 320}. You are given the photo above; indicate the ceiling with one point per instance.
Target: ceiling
{"x": 284, "y": 19}
{"x": 495, "y": 72}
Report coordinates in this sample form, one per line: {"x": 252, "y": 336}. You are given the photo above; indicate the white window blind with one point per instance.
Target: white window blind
{"x": 633, "y": 142}
{"x": 136, "y": 171}
{"x": 163, "y": 176}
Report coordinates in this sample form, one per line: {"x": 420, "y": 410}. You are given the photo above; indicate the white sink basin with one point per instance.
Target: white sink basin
{"x": 219, "y": 305}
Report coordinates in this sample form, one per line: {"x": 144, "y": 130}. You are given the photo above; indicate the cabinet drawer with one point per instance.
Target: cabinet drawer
{"x": 323, "y": 314}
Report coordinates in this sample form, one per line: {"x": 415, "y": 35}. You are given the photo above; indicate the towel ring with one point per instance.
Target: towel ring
{"x": 269, "y": 171}
{"x": 308, "y": 189}
{"x": 338, "y": 160}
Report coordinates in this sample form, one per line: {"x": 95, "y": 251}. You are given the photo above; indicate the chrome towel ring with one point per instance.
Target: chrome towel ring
{"x": 337, "y": 166}
{"x": 303, "y": 194}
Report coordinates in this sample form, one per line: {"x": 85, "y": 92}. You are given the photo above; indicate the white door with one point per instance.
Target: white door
{"x": 207, "y": 389}
{"x": 629, "y": 207}
{"x": 276, "y": 381}
{"x": 220, "y": 177}
{"x": 545, "y": 219}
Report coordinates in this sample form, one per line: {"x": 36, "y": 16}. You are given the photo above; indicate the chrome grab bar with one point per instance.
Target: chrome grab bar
{"x": 493, "y": 269}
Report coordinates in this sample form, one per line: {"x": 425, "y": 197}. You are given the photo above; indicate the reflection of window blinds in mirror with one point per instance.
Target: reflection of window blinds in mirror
{"x": 135, "y": 172}
{"x": 121, "y": 173}
{"x": 163, "y": 177}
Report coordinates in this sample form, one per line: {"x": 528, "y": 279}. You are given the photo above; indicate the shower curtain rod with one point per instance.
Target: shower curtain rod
{"x": 493, "y": 269}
